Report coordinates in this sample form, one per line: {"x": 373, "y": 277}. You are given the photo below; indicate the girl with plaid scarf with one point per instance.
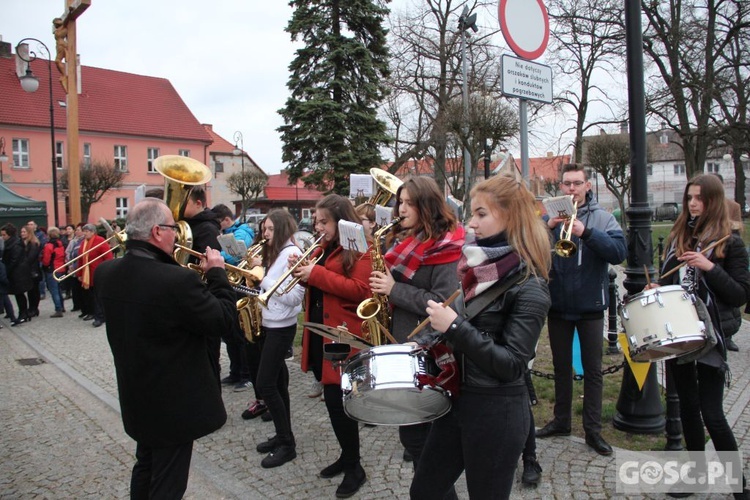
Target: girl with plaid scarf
{"x": 420, "y": 266}
{"x": 486, "y": 428}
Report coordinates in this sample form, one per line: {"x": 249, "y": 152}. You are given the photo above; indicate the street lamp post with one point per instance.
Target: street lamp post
{"x": 30, "y": 83}
{"x": 466, "y": 21}
{"x": 3, "y": 157}
{"x": 239, "y": 140}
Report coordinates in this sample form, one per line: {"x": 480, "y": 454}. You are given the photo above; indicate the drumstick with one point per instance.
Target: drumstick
{"x": 648, "y": 278}
{"x": 421, "y": 326}
{"x": 709, "y": 247}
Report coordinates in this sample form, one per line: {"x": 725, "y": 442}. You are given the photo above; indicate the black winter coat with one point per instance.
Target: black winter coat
{"x": 160, "y": 319}
{"x": 19, "y": 273}
{"x": 728, "y": 285}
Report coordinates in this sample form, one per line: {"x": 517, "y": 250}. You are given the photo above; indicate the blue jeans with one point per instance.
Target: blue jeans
{"x": 54, "y": 289}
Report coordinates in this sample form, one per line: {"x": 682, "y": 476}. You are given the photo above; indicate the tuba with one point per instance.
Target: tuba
{"x": 180, "y": 174}
{"x": 387, "y": 183}
{"x": 374, "y": 311}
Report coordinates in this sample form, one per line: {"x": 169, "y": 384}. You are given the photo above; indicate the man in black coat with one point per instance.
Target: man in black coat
{"x": 160, "y": 321}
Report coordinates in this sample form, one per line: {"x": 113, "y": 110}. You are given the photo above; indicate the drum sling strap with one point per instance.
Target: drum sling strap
{"x": 482, "y": 301}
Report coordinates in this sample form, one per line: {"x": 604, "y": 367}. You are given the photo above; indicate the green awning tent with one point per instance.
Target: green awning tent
{"x": 19, "y": 210}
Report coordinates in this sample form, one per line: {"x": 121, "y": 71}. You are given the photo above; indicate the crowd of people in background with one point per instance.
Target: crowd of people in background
{"x": 38, "y": 262}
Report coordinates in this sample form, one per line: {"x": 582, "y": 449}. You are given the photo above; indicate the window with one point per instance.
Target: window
{"x": 649, "y": 169}
{"x": 59, "y": 155}
{"x": 306, "y": 213}
{"x": 679, "y": 168}
{"x": 86, "y": 154}
{"x": 152, "y": 153}
{"x": 712, "y": 167}
{"x": 184, "y": 152}
{"x": 21, "y": 153}
{"x": 664, "y": 139}
{"x": 218, "y": 167}
{"x": 121, "y": 208}
{"x": 121, "y": 157}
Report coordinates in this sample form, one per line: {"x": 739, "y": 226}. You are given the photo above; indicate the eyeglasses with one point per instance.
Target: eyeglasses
{"x": 567, "y": 184}
{"x": 173, "y": 227}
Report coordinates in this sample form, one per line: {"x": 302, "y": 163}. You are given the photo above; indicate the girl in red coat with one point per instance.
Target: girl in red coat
{"x": 336, "y": 286}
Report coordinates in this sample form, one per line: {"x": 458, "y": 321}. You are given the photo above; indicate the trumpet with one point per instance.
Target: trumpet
{"x": 255, "y": 273}
{"x": 245, "y": 273}
{"x": 564, "y": 247}
{"x": 263, "y": 298}
{"x": 119, "y": 237}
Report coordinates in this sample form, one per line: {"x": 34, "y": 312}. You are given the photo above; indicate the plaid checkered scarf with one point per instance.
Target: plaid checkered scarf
{"x": 406, "y": 257}
{"x": 481, "y": 266}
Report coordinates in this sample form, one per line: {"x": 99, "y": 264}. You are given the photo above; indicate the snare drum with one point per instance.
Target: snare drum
{"x": 384, "y": 385}
{"x": 662, "y": 323}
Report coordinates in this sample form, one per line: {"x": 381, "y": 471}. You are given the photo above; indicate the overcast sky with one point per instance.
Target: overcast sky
{"x": 228, "y": 59}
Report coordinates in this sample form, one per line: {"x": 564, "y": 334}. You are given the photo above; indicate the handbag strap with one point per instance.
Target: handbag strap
{"x": 484, "y": 300}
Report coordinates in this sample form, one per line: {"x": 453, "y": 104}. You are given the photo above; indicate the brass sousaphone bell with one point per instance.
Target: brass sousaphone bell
{"x": 387, "y": 183}
{"x": 181, "y": 173}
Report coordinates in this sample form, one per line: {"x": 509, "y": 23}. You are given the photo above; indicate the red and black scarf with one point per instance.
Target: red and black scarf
{"x": 406, "y": 257}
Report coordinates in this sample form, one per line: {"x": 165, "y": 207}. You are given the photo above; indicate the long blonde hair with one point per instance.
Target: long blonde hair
{"x": 526, "y": 231}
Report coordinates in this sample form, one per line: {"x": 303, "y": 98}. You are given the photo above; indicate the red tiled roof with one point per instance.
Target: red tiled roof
{"x": 111, "y": 102}
{"x": 546, "y": 166}
{"x": 278, "y": 189}
{"x": 220, "y": 145}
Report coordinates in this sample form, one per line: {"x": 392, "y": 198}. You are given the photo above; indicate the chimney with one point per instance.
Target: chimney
{"x": 550, "y": 154}
{"x": 6, "y": 49}
{"x": 602, "y": 132}
{"x": 208, "y": 126}
{"x": 624, "y": 127}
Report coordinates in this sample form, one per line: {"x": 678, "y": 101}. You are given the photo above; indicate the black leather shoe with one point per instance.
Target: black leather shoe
{"x": 731, "y": 346}
{"x": 97, "y": 323}
{"x": 407, "y": 456}
{"x": 598, "y": 444}
{"x": 553, "y": 429}
{"x": 279, "y": 456}
{"x": 266, "y": 417}
{"x": 332, "y": 470}
{"x": 17, "y": 322}
{"x": 88, "y": 317}
{"x": 268, "y": 446}
{"x": 354, "y": 478}
{"x": 532, "y": 472}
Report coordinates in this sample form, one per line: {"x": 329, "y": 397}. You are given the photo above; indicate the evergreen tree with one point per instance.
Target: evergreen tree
{"x": 331, "y": 128}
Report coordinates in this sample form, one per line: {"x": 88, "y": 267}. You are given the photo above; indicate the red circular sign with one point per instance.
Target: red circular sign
{"x": 525, "y": 26}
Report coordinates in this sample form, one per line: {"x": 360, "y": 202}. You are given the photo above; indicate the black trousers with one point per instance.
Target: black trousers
{"x": 160, "y": 473}
{"x": 484, "y": 435}
{"x": 273, "y": 379}
{"x": 237, "y": 353}
{"x": 253, "y": 352}
{"x": 561, "y": 343}
{"x": 346, "y": 429}
{"x": 700, "y": 389}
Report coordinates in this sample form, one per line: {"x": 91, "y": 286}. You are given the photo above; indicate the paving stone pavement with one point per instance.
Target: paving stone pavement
{"x": 62, "y": 436}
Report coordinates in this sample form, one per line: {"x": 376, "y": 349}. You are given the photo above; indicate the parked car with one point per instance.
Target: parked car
{"x": 253, "y": 220}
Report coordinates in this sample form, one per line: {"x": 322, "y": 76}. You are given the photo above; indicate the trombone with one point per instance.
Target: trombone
{"x": 564, "y": 247}
{"x": 121, "y": 237}
{"x": 263, "y": 298}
